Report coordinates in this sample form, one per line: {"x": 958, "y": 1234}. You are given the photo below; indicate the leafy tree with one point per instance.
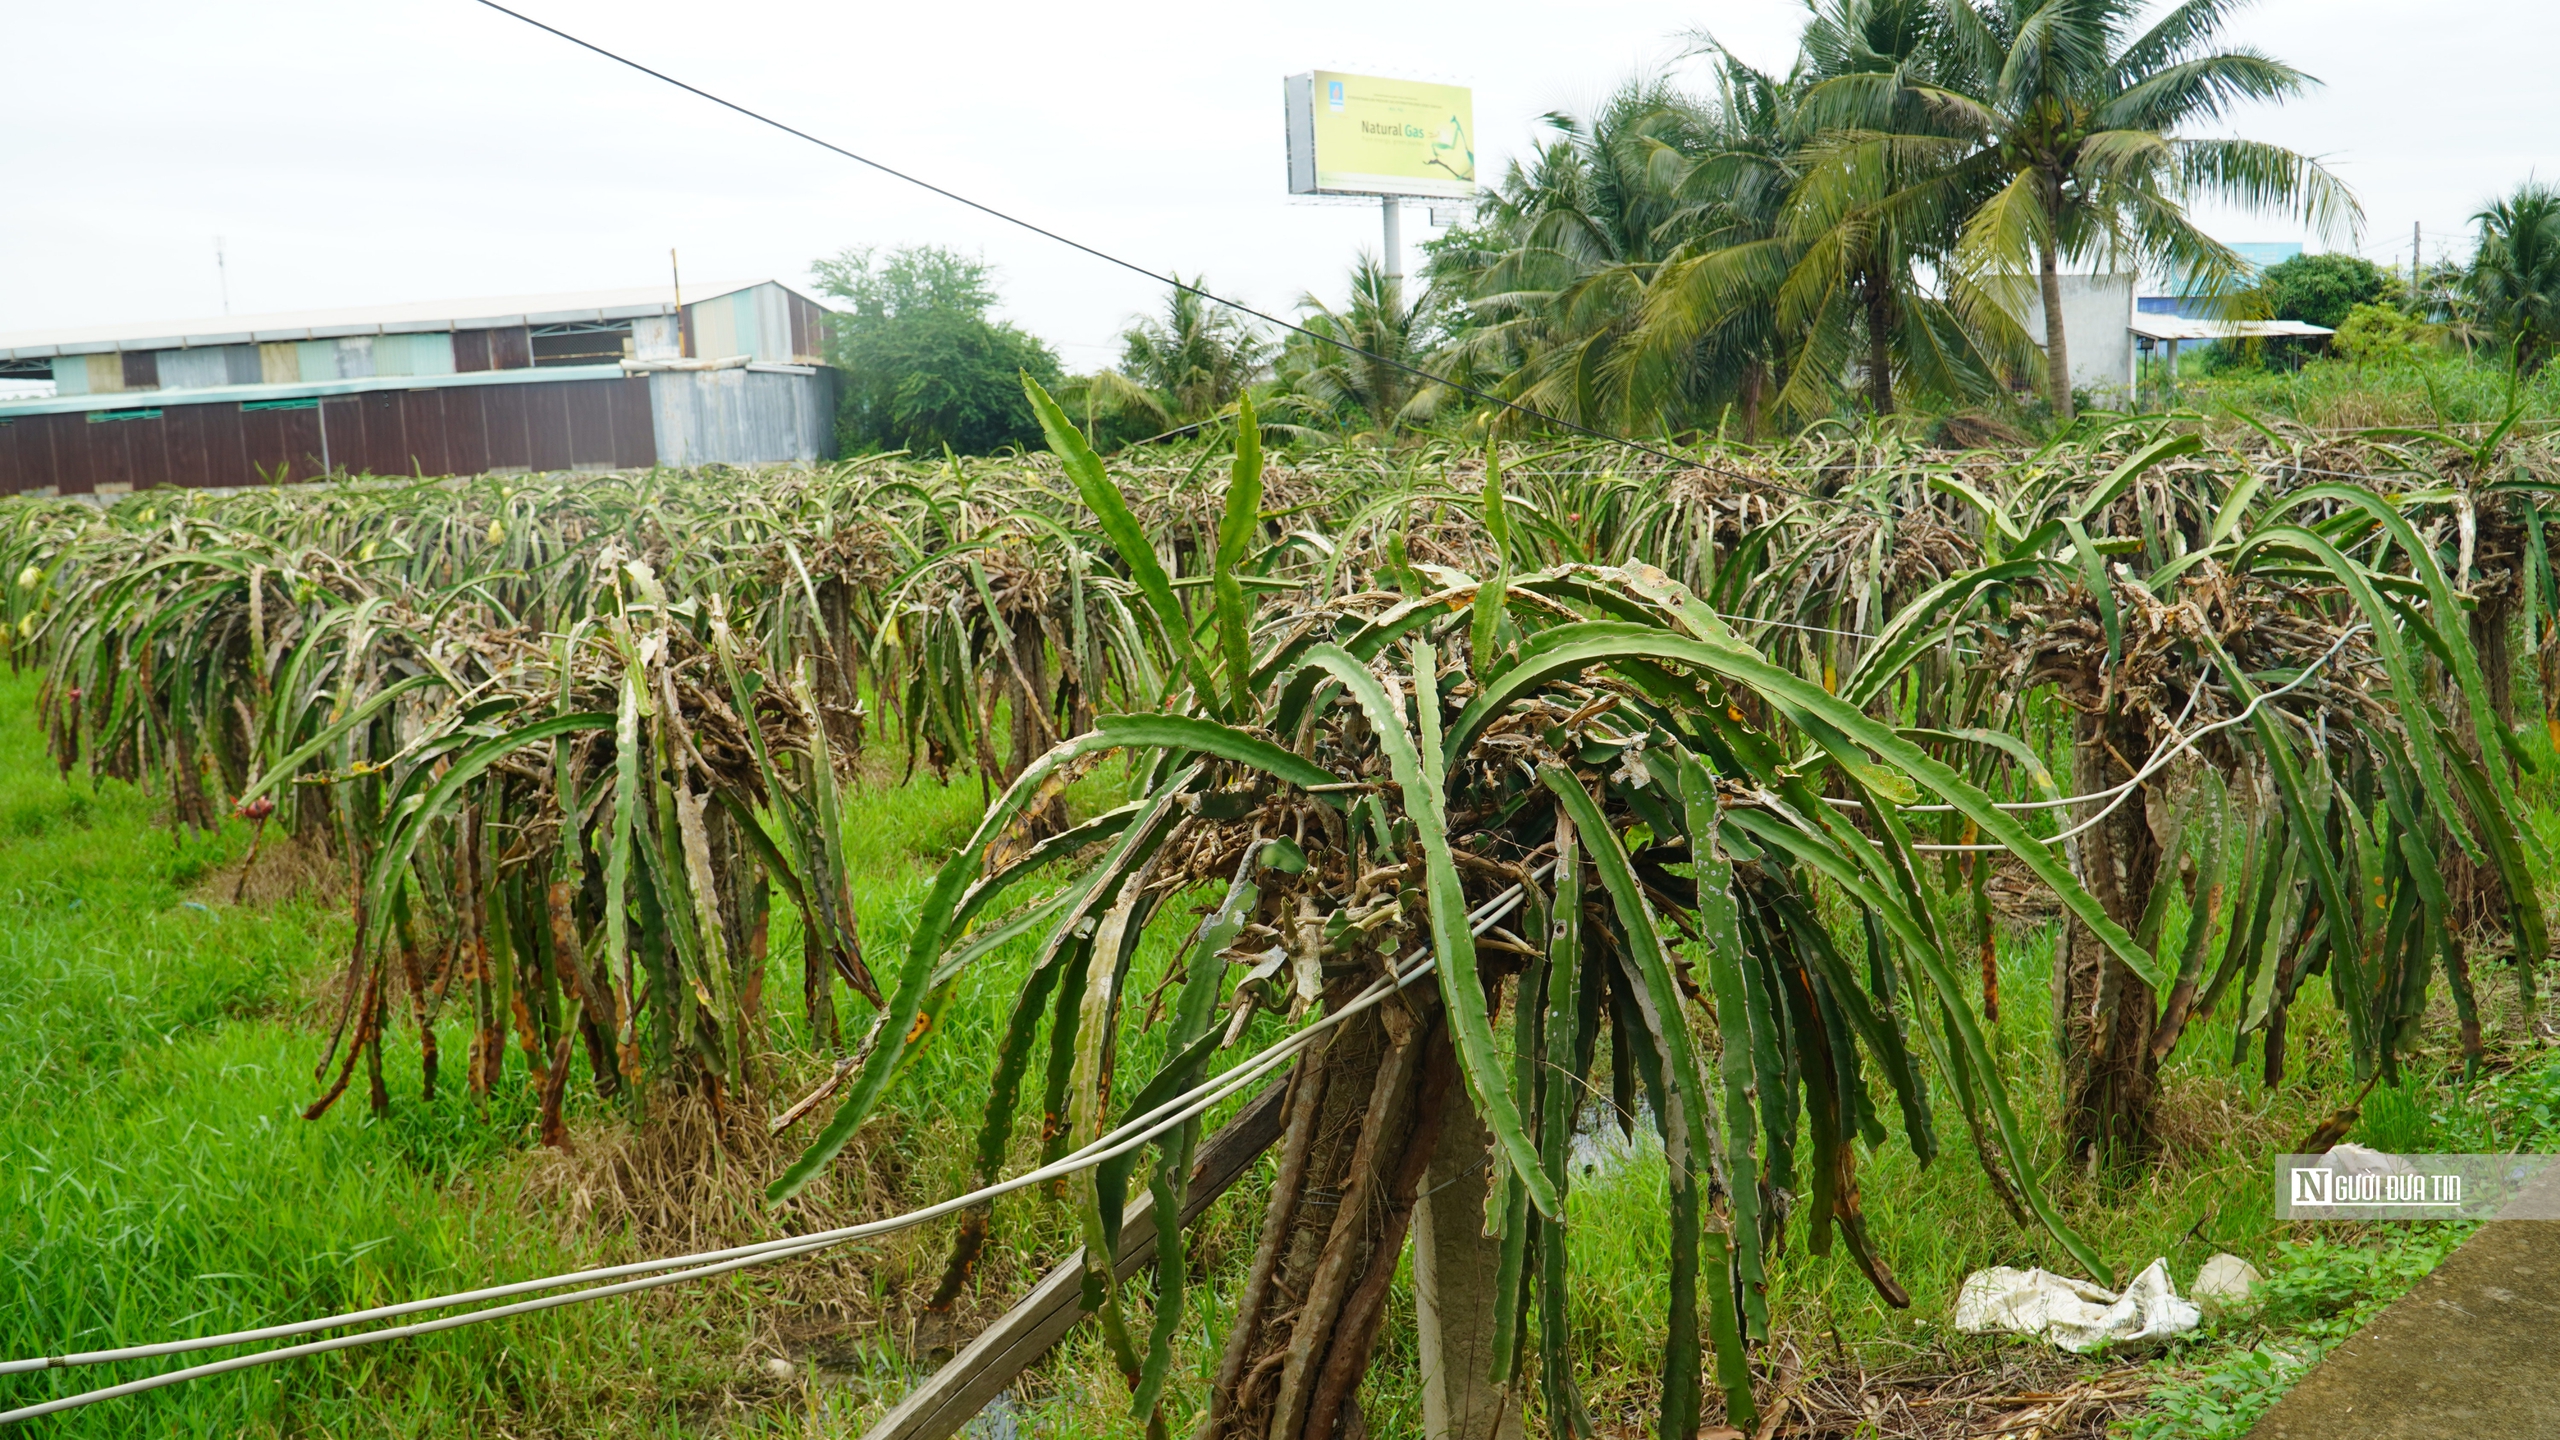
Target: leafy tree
{"x": 923, "y": 366}
{"x": 2064, "y": 119}
{"x": 1115, "y": 409}
{"x": 2514, "y": 282}
{"x": 2321, "y": 289}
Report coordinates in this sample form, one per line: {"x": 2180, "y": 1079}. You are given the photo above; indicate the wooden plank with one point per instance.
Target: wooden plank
{"x": 938, "y": 1408}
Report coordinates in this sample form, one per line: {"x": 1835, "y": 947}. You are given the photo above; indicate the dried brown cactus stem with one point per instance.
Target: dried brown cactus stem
{"x": 1353, "y": 1246}
{"x": 2104, "y": 1011}
{"x": 1307, "y": 1085}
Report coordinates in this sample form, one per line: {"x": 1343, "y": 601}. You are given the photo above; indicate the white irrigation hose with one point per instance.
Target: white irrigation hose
{"x": 1173, "y": 1112}
{"x": 2168, "y": 749}
{"x": 1104, "y": 1147}
{"x": 2060, "y": 801}
{"x": 2162, "y": 757}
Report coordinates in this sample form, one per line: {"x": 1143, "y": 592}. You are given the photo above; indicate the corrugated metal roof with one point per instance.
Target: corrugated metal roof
{"x": 297, "y": 390}
{"x": 627, "y": 303}
{"x": 2183, "y": 327}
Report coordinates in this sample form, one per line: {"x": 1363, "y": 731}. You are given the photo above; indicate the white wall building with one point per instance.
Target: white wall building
{"x": 2097, "y": 333}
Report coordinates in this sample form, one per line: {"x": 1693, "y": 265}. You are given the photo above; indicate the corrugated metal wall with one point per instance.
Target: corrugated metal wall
{"x": 279, "y": 363}
{"x": 209, "y": 365}
{"x": 455, "y": 430}
{"x": 714, "y": 324}
{"x": 428, "y": 353}
{"x": 654, "y": 337}
{"x": 742, "y": 417}
{"x": 762, "y": 322}
{"x": 88, "y": 374}
{"x": 505, "y": 348}
{"x": 808, "y": 329}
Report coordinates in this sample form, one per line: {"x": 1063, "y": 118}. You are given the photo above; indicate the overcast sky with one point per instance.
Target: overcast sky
{"x": 420, "y": 149}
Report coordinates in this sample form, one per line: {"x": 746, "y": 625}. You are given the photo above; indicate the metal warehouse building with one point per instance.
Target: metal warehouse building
{"x": 599, "y": 380}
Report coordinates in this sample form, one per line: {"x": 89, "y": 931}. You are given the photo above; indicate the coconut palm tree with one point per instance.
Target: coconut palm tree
{"x": 1197, "y": 357}
{"x": 1364, "y": 362}
{"x": 2064, "y": 118}
{"x": 1575, "y": 236}
{"x": 1827, "y": 269}
{"x": 1871, "y": 289}
{"x": 2514, "y": 280}
{"x": 1708, "y": 329}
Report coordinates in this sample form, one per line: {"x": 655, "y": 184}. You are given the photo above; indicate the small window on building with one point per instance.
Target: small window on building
{"x": 604, "y": 343}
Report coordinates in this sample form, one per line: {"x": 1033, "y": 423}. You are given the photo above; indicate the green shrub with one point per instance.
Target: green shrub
{"x": 2374, "y": 334}
{"x": 924, "y": 364}
{"x": 2322, "y": 289}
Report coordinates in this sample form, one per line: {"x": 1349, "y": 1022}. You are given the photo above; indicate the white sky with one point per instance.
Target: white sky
{"x": 421, "y": 149}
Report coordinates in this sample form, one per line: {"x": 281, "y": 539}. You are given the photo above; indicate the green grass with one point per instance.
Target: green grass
{"x": 156, "y": 1179}
{"x": 2444, "y": 389}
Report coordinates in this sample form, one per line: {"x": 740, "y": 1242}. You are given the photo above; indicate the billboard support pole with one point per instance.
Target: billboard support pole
{"x": 1392, "y": 207}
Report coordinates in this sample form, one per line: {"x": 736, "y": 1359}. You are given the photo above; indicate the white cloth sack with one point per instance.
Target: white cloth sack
{"x": 2073, "y": 1314}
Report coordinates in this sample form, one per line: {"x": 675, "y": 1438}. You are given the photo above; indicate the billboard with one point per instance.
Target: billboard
{"x": 1361, "y": 135}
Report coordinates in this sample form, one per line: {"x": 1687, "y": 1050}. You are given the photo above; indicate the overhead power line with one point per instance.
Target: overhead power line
{"x": 1132, "y": 266}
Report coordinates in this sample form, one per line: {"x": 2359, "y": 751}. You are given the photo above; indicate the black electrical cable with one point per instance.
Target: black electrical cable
{"x": 1175, "y": 282}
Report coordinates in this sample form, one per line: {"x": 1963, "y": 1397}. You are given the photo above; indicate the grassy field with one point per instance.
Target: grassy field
{"x": 2426, "y": 391}
{"x": 156, "y": 1044}
{"x": 156, "y": 1048}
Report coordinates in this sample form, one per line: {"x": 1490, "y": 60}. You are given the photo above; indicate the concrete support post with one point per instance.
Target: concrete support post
{"x": 1454, "y": 1275}
{"x": 1392, "y": 209}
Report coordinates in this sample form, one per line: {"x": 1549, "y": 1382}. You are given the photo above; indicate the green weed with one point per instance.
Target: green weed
{"x": 2319, "y": 1292}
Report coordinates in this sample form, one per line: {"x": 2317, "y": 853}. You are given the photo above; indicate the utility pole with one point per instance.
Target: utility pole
{"x": 2417, "y": 237}
{"x": 683, "y": 349}
{"x": 222, "y": 269}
